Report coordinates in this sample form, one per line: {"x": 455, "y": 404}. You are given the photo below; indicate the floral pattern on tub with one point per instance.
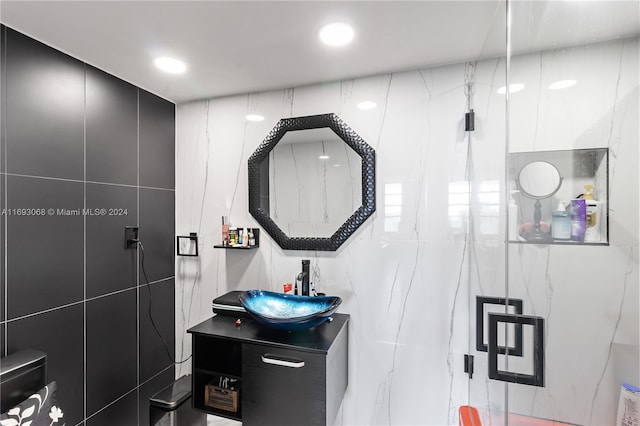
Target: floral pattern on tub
{"x": 40, "y": 409}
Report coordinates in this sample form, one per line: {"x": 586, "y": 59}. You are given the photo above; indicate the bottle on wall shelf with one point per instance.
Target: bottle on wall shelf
{"x": 513, "y": 218}
{"x": 592, "y": 232}
{"x": 561, "y": 223}
{"x": 252, "y": 238}
{"x": 225, "y": 231}
{"x": 578, "y": 211}
{"x": 245, "y": 237}
{"x": 233, "y": 236}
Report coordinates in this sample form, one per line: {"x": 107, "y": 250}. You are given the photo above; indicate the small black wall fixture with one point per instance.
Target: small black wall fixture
{"x": 517, "y": 305}
{"x": 259, "y": 182}
{"x": 468, "y": 365}
{"x": 535, "y": 379}
{"x": 187, "y": 245}
{"x": 469, "y": 121}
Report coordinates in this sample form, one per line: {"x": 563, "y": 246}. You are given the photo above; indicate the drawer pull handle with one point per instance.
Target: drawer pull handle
{"x": 281, "y": 362}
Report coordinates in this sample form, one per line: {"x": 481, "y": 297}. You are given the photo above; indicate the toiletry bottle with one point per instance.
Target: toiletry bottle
{"x": 252, "y": 238}
{"x": 578, "y": 211}
{"x": 239, "y": 236}
{"x": 233, "y": 236}
{"x": 560, "y": 223}
{"x": 592, "y": 232}
{"x": 225, "y": 231}
{"x": 245, "y": 237}
{"x": 513, "y": 218}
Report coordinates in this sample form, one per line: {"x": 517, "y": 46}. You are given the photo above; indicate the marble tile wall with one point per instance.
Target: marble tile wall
{"x": 409, "y": 279}
{"x": 587, "y": 295}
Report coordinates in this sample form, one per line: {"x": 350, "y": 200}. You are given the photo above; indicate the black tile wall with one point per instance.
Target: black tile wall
{"x": 3, "y": 327}
{"x": 2, "y": 193}
{"x": 157, "y": 142}
{"x": 153, "y": 353}
{"x": 72, "y": 290}
{"x": 109, "y": 266}
{"x": 112, "y": 129}
{"x": 157, "y": 212}
{"x": 45, "y": 237}
{"x": 123, "y": 412}
{"x": 58, "y": 333}
{"x": 112, "y": 342}
{"x": 44, "y": 110}
{"x": 2, "y": 228}
{"x": 3, "y": 87}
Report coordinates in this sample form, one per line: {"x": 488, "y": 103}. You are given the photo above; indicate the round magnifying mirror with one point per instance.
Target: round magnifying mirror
{"x": 539, "y": 180}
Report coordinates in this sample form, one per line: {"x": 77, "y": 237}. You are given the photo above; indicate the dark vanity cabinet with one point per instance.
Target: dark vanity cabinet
{"x": 262, "y": 376}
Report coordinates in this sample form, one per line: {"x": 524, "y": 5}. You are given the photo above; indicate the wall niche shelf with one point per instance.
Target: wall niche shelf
{"x": 256, "y": 236}
{"x": 577, "y": 168}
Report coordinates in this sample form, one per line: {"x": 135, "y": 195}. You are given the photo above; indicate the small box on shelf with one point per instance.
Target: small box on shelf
{"x": 221, "y": 397}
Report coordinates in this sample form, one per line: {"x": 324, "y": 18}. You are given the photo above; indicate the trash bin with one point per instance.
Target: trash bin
{"x": 172, "y": 406}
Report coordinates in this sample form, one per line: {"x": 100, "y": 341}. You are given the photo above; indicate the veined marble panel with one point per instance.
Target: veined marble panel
{"x": 410, "y": 274}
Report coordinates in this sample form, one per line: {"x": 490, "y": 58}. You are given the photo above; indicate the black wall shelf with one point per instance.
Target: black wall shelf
{"x": 256, "y": 236}
{"x": 220, "y": 246}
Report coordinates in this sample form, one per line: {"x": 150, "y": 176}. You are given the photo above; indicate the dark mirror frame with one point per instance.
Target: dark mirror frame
{"x": 259, "y": 182}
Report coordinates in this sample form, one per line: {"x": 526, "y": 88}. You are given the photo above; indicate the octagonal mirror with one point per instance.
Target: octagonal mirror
{"x": 312, "y": 182}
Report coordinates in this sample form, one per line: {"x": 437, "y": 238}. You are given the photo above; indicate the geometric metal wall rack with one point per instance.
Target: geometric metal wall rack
{"x": 535, "y": 379}
{"x": 517, "y": 306}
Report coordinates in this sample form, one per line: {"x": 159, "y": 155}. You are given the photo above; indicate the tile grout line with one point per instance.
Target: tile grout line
{"x": 136, "y": 389}
{"x": 87, "y": 181}
{"x": 84, "y": 224}
{"x": 138, "y": 252}
{"x": 91, "y": 299}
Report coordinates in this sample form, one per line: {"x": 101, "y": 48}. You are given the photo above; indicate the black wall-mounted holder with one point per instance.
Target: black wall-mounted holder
{"x": 517, "y": 305}
{"x": 187, "y": 245}
{"x": 130, "y": 236}
{"x": 468, "y": 365}
{"x": 535, "y": 379}
{"x": 469, "y": 121}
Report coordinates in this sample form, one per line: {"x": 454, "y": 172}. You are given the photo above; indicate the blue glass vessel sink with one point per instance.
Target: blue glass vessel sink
{"x": 286, "y": 311}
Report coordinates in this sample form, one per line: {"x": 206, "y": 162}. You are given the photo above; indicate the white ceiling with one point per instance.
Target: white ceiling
{"x": 234, "y": 47}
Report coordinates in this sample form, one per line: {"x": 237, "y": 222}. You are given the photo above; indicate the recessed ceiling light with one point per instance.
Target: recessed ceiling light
{"x": 254, "y": 117}
{"x": 366, "y": 105}
{"x": 512, "y": 88}
{"x": 336, "y": 34}
{"x": 324, "y": 157}
{"x": 562, "y": 84}
{"x": 170, "y": 65}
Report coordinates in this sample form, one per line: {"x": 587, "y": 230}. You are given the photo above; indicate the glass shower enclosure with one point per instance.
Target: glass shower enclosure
{"x": 554, "y": 290}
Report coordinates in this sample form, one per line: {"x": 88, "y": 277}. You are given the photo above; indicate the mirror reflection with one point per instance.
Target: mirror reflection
{"x": 315, "y": 182}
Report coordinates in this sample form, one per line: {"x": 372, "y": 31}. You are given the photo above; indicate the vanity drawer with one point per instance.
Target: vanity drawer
{"x": 283, "y": 387}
